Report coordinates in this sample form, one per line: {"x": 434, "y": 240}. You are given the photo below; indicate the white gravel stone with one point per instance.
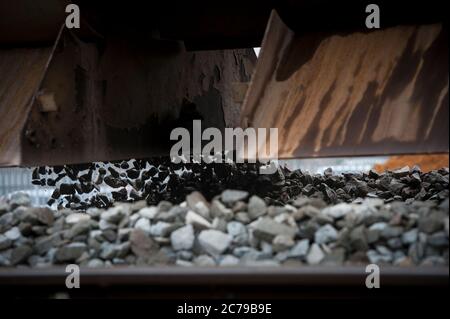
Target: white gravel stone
{"x": 229, "y": 260}
{"x": 182, "y": 238}
{"x": 231, "y": 196}
{"x": 238, "y": 231}
{"x": 13, "y": 234}
{"x": 144, "y": 224}
{"x": 148, "y": 212}
{"x": 338, "y": 211}
{"x": 95, "y": 263}
{"x": 219, "y": 224}
{"x": 104, "y": 225}
{"x": 315, "y": 255}
{"x": 204, "y": 261}
{"x": 214, "y": 242}
{"x": 197, "y": 221}
{"x": 183, "y": 263}
{"x": 75, "y": 218}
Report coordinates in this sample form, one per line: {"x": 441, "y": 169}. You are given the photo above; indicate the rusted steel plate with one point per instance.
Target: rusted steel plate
{"x": 119, "y": 104}
{"x": 378, "y": 92}
{"x": 21, "y": 72}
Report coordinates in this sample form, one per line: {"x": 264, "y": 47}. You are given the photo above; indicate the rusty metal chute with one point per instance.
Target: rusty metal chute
{"x": 352, "y": 93}
{"x": 110, "y": 98}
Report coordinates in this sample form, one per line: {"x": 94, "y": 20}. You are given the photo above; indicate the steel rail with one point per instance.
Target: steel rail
{"x": 340, "y": 276}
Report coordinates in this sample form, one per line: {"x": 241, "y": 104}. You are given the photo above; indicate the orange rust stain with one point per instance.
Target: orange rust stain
{"x": 426, "y": 162}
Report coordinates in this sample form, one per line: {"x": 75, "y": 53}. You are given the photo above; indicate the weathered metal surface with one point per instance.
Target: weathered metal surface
{"x": 122, "y": 102}
{"x": 232, "y": 282}
{"x": 171, "y": 275}
{"x": 21, "y": 71}
{"x": 378, "y": 92}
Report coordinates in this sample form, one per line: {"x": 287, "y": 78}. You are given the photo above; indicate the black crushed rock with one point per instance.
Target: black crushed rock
{"x": 159, "y": 179}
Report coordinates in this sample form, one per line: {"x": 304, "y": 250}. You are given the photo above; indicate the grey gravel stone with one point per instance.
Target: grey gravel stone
{"x": 7, "y": 221}
{"x": 325, "y": 234}
{"x": 44, "y": 244}
{"x": 183, "y": 263}
{"x": 395, "y": 243}
{"x": 5, "y": 242}
{"x": 220, "y": 210}
{"x": 242, "y": 217}
{"x": 401, "y": 172}
{"x": 230, "y": 196}
{"x": 377, "y": 258}
{"x": 410, "y": 236}
{"x": 143, "y": 224}
{"x": 439, "y": 239}
{"x": 107, "y": 251}
{"x": 431, "y": 223}
{"x": 185, "y": 255}
{"x": 300, "y": 249}
{"x": 358, "y": 238}
{"x": 20, "y": 199}
{"x": 335, "y": 257}
{"x": 80, "y": 228}
{"x": 162, "y": 229}
{"x": 219, "y": 224}
{"x": 70, "y": 252}
{"x": 256, "y": 207}
{"x": 141, "y": 244}
{"x": 267, "y": 229}
{"x": 19, "y": 254}
{"x": 338, "y": 211}
{"x": 282, "y": 243}
{"x": 114, "y": 214}
{"x": 198, "y": 204}
{"x": 416, "y": 252}
{"x": 391, "y": 231}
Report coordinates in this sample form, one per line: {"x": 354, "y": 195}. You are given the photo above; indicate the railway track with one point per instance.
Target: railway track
{"x": 219, "y": 283}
